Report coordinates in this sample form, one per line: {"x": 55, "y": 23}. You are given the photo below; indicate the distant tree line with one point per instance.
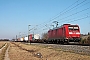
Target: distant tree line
{"x": 85, "y": 34}
{"x": 4, "y": 39}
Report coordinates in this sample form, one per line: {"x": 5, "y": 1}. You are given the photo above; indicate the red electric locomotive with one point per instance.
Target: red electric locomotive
{"x": 65, "y": 33}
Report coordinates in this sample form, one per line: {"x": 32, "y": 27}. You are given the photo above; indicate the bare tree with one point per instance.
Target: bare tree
{"x": 45, "y": 36}
{"x": 88, "y": 33}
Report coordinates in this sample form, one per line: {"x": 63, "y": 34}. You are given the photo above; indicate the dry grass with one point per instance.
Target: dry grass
{"x": 2, "y": 54}
{"x": 28, "y": 52}
{"x": 85, "y": 39}
{"x": 2, "y": 43}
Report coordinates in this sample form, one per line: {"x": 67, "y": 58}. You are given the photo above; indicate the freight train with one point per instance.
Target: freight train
{"x": 34, "y": 38}
{"x": 30, "y": 38}
{"x": 64, "y": 34}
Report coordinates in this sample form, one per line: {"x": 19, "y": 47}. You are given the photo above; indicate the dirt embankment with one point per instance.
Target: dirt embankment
{"x": 20, "y": 51}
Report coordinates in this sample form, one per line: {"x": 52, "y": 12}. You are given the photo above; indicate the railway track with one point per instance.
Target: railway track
{"x": 75, "y": 48}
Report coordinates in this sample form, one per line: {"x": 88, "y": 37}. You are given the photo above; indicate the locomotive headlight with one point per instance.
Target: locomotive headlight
{"x": 77, "y": 33}
{"x": 70, "y": 33}
{"x": 66, "y": 38}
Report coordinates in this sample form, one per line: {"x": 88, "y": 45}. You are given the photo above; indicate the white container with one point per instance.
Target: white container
{"x": 21, "y": 39}
{"x": 26, "y": 38}
{"x": 36, "y": 36}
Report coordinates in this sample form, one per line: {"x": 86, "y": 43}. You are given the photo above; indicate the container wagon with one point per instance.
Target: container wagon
{"x": 26, "y": 39}
{"x": 34, "y": 38}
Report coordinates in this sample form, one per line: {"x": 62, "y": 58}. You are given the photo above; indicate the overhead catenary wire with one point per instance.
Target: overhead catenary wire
{"x": 73, "y": 18}
{"x": 71, "y": 21}
{"x": 66, "y": 11}
{"x": 80, "y": 19}
{"x": 63, "y": 11}
{"x": 88, "y": 16}
{"x": 69, "y": 9}
{"x": 74, "y": 13}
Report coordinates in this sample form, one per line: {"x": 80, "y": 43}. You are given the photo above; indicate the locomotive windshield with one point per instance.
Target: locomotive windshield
{"x": 76, "y": 28}
{"x": 73, "y": 28}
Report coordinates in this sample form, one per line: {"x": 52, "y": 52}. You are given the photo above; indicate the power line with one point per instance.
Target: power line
{"x": 70, "y": 9}
{"x": 65, "y": 11}
{"x": 80, "y": 19}
{"x": 72, "y": 18}
{"x": 62, "y": 11}
{"x": 74, "y": 13}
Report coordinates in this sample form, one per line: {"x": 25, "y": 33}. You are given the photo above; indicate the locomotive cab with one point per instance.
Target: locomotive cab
{"x": 73, "y": 33}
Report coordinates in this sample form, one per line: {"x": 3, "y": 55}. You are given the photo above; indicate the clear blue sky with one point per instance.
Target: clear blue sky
{"x": 16, "y": 15}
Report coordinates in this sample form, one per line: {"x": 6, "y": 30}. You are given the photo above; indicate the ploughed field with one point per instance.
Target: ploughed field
{"x": 20, "y": 51}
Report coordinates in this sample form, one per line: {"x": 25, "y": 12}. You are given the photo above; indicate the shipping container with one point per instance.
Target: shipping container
{"x": 30, "y": 37}
{"x": 36, "y": 36}
{"x": 18, "y": 39}
{"x": 22, "y": 39}
{"x": 26, "y": 38}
